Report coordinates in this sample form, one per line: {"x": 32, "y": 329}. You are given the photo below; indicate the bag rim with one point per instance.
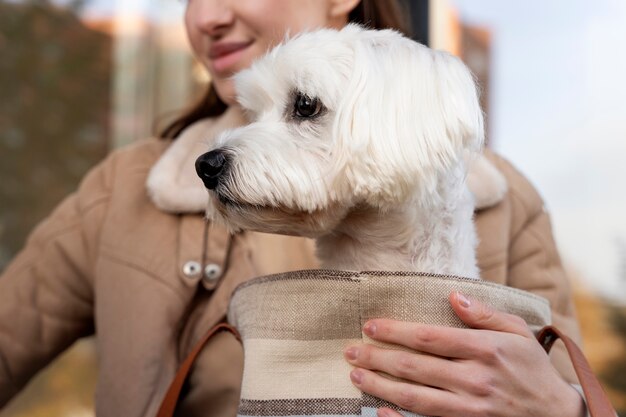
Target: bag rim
{"x": 356, "y": 276}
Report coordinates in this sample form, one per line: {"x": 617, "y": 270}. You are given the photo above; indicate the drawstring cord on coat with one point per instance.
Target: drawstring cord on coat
{"x": 205, "y": 251}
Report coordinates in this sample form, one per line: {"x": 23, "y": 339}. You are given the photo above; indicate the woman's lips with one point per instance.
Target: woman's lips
{"x": 224, "y": 55}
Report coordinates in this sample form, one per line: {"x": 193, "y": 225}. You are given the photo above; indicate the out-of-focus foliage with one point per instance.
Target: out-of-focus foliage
{"x": 55, "y": 76}
{"x": 64, "y": 389}
{"x": 615, "y": 373}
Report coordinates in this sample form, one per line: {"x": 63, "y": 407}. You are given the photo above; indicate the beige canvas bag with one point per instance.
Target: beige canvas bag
{"x": 295, "y": 326}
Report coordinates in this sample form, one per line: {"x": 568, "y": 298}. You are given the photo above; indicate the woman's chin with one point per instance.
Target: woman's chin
{"x": 225, "y": 89}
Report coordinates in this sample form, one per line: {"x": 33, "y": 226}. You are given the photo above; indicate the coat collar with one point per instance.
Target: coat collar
{"x": 172, "y": 184}
{"x": 174, "y": 187}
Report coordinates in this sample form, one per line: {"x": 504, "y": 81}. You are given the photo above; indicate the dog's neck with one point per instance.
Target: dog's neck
{"x": 433, "y": 237}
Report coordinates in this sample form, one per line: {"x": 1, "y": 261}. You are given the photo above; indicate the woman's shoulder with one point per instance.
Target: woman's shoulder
{"x": 123, "y": 170}
{"x": 141, "y": 153}
{"x": 520, "y": 190}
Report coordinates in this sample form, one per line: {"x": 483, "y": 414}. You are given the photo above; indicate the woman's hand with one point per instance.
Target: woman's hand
{"x": 496, "y": 368}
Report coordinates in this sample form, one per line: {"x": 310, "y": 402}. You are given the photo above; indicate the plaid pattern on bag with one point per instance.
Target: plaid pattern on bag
{"x": 295, "y": 326}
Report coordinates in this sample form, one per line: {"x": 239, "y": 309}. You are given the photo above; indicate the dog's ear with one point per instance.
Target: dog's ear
{"x": 407, "y": 116}
{"x": 458, "y": 98}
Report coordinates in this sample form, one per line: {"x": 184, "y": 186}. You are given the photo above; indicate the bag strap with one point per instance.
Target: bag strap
{"x": 597, "y": 401}
{"x": 168, "y": 406}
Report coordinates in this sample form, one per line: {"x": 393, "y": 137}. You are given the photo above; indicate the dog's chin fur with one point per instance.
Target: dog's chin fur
{"x": 238, "y": 216}
{"x": 376, "y": 174}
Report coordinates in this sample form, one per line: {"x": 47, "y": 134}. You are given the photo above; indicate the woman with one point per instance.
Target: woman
{"x": 141, "y": 270}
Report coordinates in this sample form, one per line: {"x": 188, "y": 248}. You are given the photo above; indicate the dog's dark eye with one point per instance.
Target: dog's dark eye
{"x": 306, "y": 106}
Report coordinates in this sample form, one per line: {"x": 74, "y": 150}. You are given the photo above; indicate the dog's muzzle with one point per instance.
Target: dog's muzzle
{"x": 211, "y": 166}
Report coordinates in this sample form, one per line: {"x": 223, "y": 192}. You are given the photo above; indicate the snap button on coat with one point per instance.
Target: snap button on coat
{"x": 211, "y": 277}
{"x": 191, "y": 269}
{"x": 191, "y": 237}
{"x": 212, "y": 272}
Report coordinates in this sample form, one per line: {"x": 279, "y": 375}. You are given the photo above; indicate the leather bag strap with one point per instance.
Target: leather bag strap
{"x": 168, "y": 406}
{"x": 597, "y": 401}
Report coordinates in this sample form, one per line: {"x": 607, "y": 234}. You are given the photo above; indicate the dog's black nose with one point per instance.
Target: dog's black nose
{"x": 210, "y": 166}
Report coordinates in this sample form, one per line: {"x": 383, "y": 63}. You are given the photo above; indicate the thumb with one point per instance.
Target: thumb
{"x": 480, "y": 316}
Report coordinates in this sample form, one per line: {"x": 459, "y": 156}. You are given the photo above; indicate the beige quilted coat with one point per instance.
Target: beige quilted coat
{"x": 122, "y": 258}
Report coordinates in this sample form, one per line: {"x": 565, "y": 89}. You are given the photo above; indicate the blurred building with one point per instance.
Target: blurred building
{"x": 55, "y": 77}
{"x": 475, "y": 50}
{"x": 79, "y": 86}
{"x": 471, "y": 43}
{"x": 153, "y": 71}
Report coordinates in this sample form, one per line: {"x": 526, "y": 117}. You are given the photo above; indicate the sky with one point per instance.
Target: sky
{"x": 166, "y": 11}
{"x": 558, "y": 100}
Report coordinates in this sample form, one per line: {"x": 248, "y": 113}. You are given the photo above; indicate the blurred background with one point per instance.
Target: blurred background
{"x": 81, "y": 77}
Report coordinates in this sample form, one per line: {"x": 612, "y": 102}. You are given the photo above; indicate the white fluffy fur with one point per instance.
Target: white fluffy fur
{"x": 379, "y": 177}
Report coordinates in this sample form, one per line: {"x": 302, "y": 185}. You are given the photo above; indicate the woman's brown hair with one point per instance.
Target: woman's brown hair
{"x": 374, "y": 14}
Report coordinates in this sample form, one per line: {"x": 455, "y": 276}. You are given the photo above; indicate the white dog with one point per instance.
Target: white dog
{"x": 358, "y": 140}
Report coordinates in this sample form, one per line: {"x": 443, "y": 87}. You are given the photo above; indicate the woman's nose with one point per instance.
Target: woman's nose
{"x": 212, "y": 17}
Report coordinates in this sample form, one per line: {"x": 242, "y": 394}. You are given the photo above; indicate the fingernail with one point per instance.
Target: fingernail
{"x": 369, "y": 328}
{"x": 383, "y": 413}
{"x": 463, "y": 300}
{"x": 356, "y": 376}
{"x": 352, "y": 353}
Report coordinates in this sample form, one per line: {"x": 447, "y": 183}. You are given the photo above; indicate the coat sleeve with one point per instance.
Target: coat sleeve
{"x": 46, "y": 292}
{"x": 534, "y": 263}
